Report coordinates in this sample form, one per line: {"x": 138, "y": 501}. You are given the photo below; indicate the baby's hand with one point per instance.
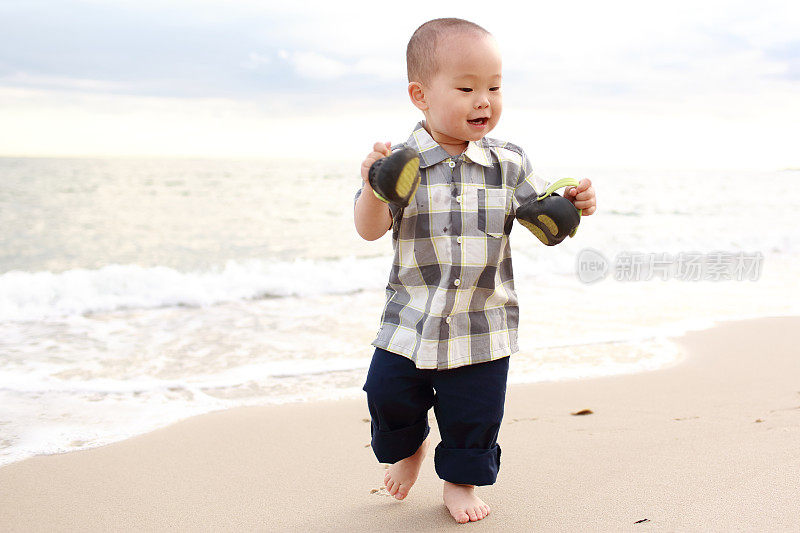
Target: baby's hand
{"x": 582, "y": 197}
{"x": 378, "y": 151}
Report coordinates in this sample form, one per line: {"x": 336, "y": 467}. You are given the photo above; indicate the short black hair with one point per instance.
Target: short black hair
{"x": 421, "y": 60}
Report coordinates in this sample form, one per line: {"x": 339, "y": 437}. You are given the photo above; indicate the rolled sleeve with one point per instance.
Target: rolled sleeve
{"x": 529, "y": 185}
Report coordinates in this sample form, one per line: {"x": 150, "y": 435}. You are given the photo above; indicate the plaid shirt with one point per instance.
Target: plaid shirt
{"x": 450, "y": 300}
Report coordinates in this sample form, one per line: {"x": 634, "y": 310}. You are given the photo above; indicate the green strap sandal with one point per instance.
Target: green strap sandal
{"x": 394, "y": 179}
{"x": 551, "y": 217}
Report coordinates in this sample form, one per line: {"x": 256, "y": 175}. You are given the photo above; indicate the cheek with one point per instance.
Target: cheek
{"x": 498, "y": 107}
{"x": 457, "y": 112}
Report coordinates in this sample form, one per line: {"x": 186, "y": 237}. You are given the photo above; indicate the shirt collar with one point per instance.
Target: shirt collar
{"x": 431, "y": 152}
{"x": 478, "y": 153}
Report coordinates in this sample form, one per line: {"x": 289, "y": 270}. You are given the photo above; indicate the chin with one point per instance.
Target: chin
{"x": 478, "y": 136}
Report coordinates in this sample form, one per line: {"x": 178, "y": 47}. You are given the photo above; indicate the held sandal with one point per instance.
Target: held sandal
{"x": 394, "y": 179}
{"x": 551, "y": 217}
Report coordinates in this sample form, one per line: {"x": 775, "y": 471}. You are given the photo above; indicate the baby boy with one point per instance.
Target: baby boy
{"x": 451, "y": 315}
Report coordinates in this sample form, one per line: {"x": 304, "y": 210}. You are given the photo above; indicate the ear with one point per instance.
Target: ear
{"x": 417, "y": 94}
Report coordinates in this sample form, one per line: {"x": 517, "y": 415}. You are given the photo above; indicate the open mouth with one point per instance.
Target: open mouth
{"x": 479, "y": 121}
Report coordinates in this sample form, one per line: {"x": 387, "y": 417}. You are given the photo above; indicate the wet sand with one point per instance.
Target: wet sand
{"x": 710, "y": 444}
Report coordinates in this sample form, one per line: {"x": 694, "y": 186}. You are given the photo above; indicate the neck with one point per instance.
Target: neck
{"x": 454, "y": 149}
{"x": 450, "y": 145}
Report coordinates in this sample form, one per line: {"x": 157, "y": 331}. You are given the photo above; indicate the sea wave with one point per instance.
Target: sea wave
{"x": 26, "y": 296}
{"x": 38, "y": 295}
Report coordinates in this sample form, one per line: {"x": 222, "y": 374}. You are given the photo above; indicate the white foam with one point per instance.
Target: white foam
{"x": 37, "y": 295}
{"x": 121, "y": 410}
{"x": 38, "y": 380}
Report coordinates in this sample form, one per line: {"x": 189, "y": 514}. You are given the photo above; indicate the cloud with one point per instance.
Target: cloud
{"x": 715, "y": 64}
{"x": 787, "y": 55}
{"x": 222, "y": 49}
{"x": 317, "y": 66}
{"x": 25, "y": 79}
{"x": 255, "y": 60}
{"x": 383, "y": 69}
{"x": 314, "y": 65}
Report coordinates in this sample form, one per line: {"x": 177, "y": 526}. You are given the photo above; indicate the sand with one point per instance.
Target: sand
{"x": 709, "y": 444}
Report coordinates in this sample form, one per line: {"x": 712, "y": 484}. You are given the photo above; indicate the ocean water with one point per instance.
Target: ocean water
{"x": 135, "y": 293}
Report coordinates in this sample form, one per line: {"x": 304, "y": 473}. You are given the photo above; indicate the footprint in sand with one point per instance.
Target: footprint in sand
{"x": 520, "y": 420}
{"x": 785, "y": 409}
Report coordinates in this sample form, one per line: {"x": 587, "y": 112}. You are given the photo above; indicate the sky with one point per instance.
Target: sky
{"x": 700, "y": 84}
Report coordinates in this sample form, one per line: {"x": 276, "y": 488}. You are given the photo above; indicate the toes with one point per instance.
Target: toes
{"x": 479, "y": 513}
{"x": 485, "y": 509}
{"x": 472, "y": 515}
{"x": 400, "y": 494}
{"x": 461, "y": 517}
{"x": 391, "y": 487}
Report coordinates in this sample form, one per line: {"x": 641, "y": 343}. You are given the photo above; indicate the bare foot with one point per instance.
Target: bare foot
{"x": 463, "y": 504}
{"x": 400, "y": 476}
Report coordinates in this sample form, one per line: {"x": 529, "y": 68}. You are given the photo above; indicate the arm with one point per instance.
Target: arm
{"x": 372, "y": 217}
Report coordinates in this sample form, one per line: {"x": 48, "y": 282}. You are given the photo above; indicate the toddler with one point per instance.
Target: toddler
{"x": 451, "y": 315}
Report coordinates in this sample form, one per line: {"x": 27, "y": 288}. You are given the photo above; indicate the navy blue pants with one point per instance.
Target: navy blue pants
{"x": 468, "y": 403}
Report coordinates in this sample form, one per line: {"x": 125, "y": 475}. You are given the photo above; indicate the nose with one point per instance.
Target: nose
{"x": 482, "y": 102}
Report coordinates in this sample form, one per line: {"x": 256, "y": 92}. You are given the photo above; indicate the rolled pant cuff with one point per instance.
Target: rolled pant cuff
{"x": 392, "y": 446}
{"x": 467, "y": 466}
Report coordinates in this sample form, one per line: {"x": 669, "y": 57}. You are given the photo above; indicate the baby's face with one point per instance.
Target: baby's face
{"x": 464, "y": 97}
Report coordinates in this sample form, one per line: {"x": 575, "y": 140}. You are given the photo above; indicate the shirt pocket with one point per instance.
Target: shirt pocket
{"x": 492, "y": 207}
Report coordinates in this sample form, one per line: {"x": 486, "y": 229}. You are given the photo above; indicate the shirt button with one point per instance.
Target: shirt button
{"x": 457, "y": 282}
{"x": 451, "y": 164}
{"x": 458, "y": 240}
{"x": 458, "y": 199}
{"x": 447, "y": 320}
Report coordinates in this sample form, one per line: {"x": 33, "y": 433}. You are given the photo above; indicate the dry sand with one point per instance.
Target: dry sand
{"x": 710, "y": 444}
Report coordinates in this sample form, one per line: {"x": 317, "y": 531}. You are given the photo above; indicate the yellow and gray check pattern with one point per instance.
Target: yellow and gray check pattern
{"x": 450, "y": 300}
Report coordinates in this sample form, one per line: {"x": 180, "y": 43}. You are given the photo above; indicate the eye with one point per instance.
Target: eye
{"x": 465, "y": 89}
{"x": 494, "y": 89}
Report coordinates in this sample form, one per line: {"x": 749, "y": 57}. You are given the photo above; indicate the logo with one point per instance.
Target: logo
{"x": 591, "y": 265}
